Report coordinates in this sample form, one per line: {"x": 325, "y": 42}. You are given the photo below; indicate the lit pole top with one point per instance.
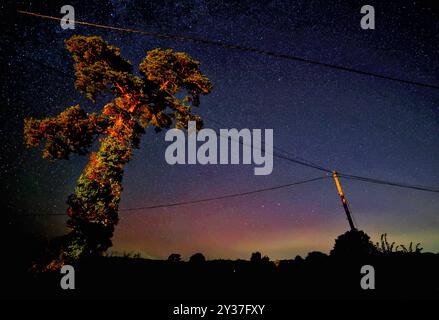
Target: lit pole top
{"x": 343, "y": 200}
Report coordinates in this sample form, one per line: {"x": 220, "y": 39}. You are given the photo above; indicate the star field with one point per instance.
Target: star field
{"x": 356, "y": 124}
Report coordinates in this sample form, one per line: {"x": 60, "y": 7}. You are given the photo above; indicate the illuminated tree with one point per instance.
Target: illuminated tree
{"x": 149, "y": 100}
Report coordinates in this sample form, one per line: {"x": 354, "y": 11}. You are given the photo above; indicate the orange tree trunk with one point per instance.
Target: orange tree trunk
{"x": 94, "y": 204}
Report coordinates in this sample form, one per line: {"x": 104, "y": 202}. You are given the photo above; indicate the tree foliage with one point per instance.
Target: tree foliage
{"x": 174, "y": 257}
{"x": 385, "y": 247}
{"x": 197, "y": 258}
{"x": 256, "y": 257}
{"x": 149, "y": 100}
{"x": 72, "y": 131}
{"x": 353, "y": 244}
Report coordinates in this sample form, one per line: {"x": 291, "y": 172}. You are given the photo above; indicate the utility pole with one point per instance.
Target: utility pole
{"x": 343, "y": 200}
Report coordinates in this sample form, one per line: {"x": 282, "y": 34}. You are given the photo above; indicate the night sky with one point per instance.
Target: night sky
{"x": 352, "y": 123}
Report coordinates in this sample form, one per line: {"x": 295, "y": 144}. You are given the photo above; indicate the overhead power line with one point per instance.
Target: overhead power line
{"x": 390, "y": 183}
{"x": 237, "y": 47}
{"x": 182, "y": 203}
{"x": 276, "y": 154}
{"x": 235, "y": 195}
{"x": 310, "y": 164}
{"x": 289, "y": 157}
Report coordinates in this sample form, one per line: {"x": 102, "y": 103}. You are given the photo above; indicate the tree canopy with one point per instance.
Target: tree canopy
{"x": 149, "y": 100}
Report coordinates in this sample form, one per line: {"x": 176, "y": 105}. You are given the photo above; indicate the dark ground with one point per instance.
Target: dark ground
{"x": 408, "y": 275}
{"x": 397, "y": 276}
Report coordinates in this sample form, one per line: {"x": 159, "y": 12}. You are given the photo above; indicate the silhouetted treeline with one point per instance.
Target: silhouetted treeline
{"x": 399, "y": 273}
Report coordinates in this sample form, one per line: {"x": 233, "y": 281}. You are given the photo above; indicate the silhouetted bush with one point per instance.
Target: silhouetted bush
{"x": 353, "y": 244}
{"x": 132, "y": 255}
{"x": 316, "y": 256}
{"x": 385, "y": 247}
{"x": 174, "y": 257}
{"x": 197, "y": 258}
{"x": 256, "y": 257}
